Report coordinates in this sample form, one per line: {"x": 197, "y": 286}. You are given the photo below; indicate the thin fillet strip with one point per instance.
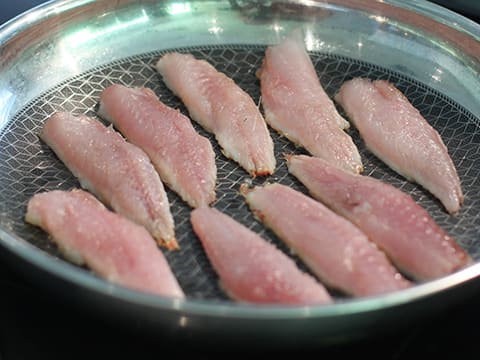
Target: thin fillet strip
{"x": 118, "y": 172}
{"x": 251, "y": 269}
{"x": 388, "y": 216}
{"x": 333, "y": 248}
{"x": 184, "y": 159}
{"x": 399, "y": 135}
{"x": 220, "y": 106}
{"x": 117, "y": 249}
{"x": 296, "y": 105}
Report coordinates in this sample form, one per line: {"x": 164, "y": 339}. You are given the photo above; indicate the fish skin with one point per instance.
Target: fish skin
{"x": 296, "y": 105}
{"x": 333, "y": 248}
{"x": 222, "y": 108}
{"x": 118, "y": 172}
{"x": 184, "y": 159}
{"x": 400, "y": 136}
{"x": 114, "y": 247}
{"x": 388, "y": 216}
{"x": 251, "y": 269}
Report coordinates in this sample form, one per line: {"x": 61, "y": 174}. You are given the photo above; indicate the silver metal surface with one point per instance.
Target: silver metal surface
{"x": 61, "y": 55}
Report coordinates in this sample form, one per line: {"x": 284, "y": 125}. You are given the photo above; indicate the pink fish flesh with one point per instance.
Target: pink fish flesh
{"x": 296, "y": 105}
{"x": 251, "y": 269}
{"x": 223, "y": 108}
{"x": 388, "y": 216}
{"x": 398, "y": 134}
{"x": 114, "y": 247}
{"x": 335, "y": 249}
{"x": 184, "y": 159}
{"x": 118, "y": 172}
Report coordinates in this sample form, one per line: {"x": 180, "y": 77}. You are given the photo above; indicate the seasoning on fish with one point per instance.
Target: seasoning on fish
{"x": 118, "y": 172}
{"x": 251, "y": 269}
{"x": 296, "y": 105}
{"x": 184, "y": 159}
{"x": 399, "y": 135}
{"x": 388, "y": 216}
{"x": 223, "y": 108}
{"x": 115, "y": 248}
{"x": 333, "y": 248}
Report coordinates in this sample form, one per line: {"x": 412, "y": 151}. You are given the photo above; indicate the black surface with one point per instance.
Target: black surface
{"x": 34, "y": 324}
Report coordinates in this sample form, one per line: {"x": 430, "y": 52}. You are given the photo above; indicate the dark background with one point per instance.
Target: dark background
{"x": 35, "y": 324}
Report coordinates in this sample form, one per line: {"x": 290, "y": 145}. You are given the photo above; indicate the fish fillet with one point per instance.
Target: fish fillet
{"x": 118, "y": 172}
{"x": 397, "y": 133}
{"x": 112, "y": 246}
{"x": 223, "y": 108}
{"x": 335, "y": 249}
{"x": 388, "y": 216}
{"x": 251, "y": 269}
{"x": 184, "y": 159}
{"x": 296, "y": 105}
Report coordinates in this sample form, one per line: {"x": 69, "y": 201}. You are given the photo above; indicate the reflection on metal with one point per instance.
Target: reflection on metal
{"x": 88, "y": 34}
{"x": 437, "y": 76}
{"x": 6, "y": 101}
{"x": 378, "y": 18}
{"x": 277, "y": 27}
{"x": 178, "y": 8}
{"x": 183, "y": 322}
{"x": 262, "y": 11}
{"x": 215, "y": 28}
{"x": 312, "y": 42}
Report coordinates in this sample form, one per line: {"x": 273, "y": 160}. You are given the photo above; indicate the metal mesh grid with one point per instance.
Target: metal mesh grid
{"x": 28, "y": 166}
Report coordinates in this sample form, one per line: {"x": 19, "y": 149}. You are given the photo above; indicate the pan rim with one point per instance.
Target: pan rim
{"x": 224, "y": 308}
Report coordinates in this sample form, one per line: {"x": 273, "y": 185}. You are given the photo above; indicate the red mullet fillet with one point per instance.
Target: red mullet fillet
{"x": 335, "y": 249}
{"x": 118, "y": 172}
{"x": 296, "y": 105}
{"x": 223, "y": 108}
{"x": 184, "y": 159}
{"x": 398, "y": 134}
{"x": 115, "y": 248}
{"x": 388, "y": 216}
{"x": 251, "y": 269}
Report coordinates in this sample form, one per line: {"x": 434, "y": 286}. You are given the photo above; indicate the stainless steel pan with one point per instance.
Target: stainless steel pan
{"x": 60, "y": 56}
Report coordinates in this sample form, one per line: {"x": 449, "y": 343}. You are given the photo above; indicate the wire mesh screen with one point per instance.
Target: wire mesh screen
{"x": 28, "y": 166}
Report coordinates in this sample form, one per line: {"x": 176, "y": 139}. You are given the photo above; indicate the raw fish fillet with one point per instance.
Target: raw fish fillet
{"x": 296, "y": 105}
{"x": 118, "y": 172}
{"x": 397, "y": 133}
{"x": 114, "y": 247}
{"x": 335, "y": 249}
{"x": 223, "y": 108}
{"x": 184, "y": 159}
{"x": 251, "y": 269}
{"x": 388, "y": 216}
